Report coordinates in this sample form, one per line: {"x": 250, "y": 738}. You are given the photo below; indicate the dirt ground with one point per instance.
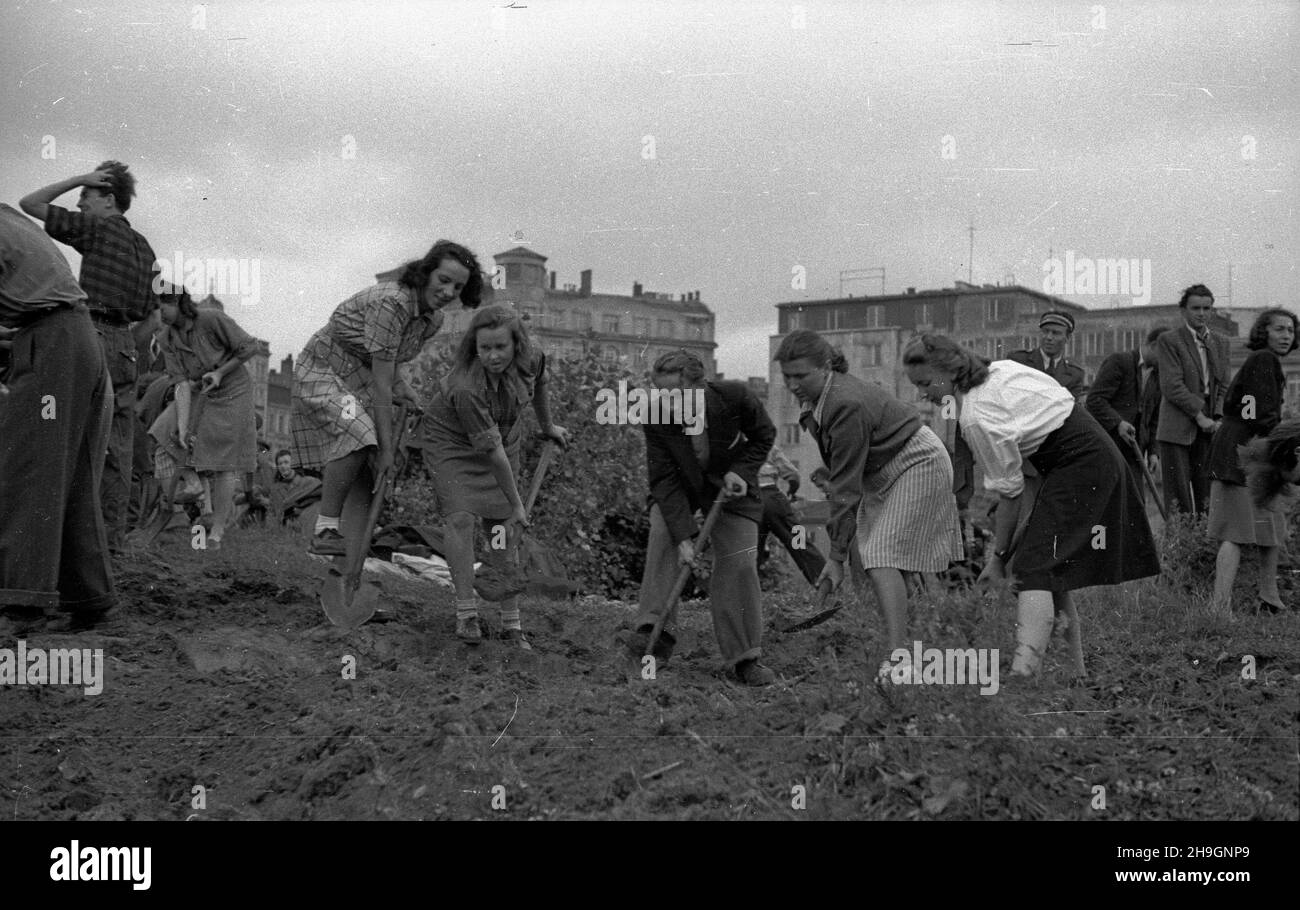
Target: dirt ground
{"x": 223, "y": 675}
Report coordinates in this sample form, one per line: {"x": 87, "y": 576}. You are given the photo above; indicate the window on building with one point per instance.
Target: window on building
{"x": 609, "y": 323}
{"x": 997, "y": 310}
{"x": 641, "y": 326}
{"x": 695, "y": 329}
{"x": 794, "y": 320}
{"x": 609, "y": 354}
{"x": 667, "y": 328}
{"x": 1091, "y": 344}
{"x": 1028, "y": 342}
{"x": 925, "y": 314}
{"x": 1128, "y": 340}
{"x": 582, "y": 320}
{"x": 790, "y": 434}
{"x": 873, "y": 355}
{"x": 874, "y": 316}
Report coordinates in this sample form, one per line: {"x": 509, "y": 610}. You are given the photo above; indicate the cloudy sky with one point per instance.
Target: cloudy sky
{"x": 725, "y": 147}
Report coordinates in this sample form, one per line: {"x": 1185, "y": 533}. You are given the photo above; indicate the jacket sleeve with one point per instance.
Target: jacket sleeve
{"x": 847, "y": 437}
{"x": 1104, "y": 388}
{"x": 666, "y": 485}
{"x": 1253, "y": 395}
{"x": 1172, "y": 384}
{"x": 760, "y": 434}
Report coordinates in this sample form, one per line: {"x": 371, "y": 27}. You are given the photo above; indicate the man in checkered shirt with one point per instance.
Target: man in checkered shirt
{"x": 118, "y": 268}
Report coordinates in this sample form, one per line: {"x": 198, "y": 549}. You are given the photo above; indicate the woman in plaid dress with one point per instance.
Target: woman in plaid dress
{"x": 471, "y": 436}
{"x": 347, "y": 377}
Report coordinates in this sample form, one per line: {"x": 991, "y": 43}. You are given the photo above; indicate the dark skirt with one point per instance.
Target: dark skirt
{"x": 1088, "y": 526}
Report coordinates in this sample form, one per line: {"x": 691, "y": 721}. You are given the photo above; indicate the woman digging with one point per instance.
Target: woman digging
{"x": 471, "y": 436}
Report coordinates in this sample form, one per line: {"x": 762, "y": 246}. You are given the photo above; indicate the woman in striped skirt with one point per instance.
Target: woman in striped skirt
{"x": 890, "y": 479}
{"x": 347, "y": 378}
{"x": 1087, "y": 526}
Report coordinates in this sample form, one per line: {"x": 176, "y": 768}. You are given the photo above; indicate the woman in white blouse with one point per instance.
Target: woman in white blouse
{"x": 1087, "y": 526}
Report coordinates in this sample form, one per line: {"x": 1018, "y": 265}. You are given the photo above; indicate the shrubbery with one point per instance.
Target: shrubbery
{"x": 591, "y": 510}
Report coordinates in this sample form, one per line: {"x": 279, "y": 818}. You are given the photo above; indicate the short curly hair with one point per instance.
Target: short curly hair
{"x": 121, "y": 183}
{"x": 1258, "y": 338}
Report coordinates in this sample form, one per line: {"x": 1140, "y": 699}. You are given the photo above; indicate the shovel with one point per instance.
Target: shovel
{"x": 1151, "y": 481}
{"x": 495, "y": 585}
{"x": 824, "y": 592}
{"x": 346, "y": 601}
{"x": 675, "y": 594}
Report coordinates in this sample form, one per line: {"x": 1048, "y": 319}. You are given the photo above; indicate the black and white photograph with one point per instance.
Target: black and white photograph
{"x": 675, "y": 410}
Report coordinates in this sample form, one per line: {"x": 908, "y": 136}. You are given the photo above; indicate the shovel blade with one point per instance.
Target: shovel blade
{"x": 347, "y": 605}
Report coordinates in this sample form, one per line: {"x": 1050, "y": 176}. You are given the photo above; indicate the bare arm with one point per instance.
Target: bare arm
{"x": 37, "y": 203}
{"x": 505, "y": 477}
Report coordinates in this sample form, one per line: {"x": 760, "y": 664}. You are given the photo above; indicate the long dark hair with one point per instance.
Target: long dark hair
{"x": 415, "y": 274}
{"x": 939, "y": 352}
{"x": 182, "y": 299}
{"x": 805, "y": 344}
{"x": 494, "y": 317}
{"x": 1265, "y": 458}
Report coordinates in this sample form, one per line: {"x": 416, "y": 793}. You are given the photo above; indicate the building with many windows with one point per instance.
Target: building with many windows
{"x": 573, "y": 320}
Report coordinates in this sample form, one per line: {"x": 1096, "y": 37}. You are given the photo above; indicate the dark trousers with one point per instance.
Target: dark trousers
{"x": 53, "y": 429}
{"x": 779, "y": 519}
{"x": 115, "y": 495}
{"x": 1185, "y": 472}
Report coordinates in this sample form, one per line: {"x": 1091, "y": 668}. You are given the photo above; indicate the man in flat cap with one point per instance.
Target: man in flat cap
{"x": 1054, "y": 330}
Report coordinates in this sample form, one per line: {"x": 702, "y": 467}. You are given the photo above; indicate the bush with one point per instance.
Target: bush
{"x": 591, "y": 510}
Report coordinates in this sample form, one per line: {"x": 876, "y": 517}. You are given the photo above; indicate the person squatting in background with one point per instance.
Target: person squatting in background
{"x": 890, "y": 479}
{"x": 206, "y": 350}
{"x": 1252, "y": 408}
{"x": 347, "y": 381}
{"x": 686, "y": 472}
{"x": 291, "y": 493}
{"x": 1010, "y": 413}
{"x": 56, "y": 404}
{"x": 118, "y": 269}
{"x": 471, "y": 435}
{"x": 779, "y": 518}
{"x": 1193, "y": 363}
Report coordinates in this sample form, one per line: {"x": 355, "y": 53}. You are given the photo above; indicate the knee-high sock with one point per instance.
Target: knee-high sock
{"x": 1033, "y": 630}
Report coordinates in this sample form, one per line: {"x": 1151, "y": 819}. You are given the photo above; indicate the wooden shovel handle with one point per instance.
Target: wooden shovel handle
{"x": 670, "y": 606}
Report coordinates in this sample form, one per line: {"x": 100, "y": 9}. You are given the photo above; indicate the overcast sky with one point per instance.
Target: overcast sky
{"x": 781, "y": 135}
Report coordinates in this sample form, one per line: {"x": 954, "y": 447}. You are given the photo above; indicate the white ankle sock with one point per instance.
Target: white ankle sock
{"x": 323, "y": 523}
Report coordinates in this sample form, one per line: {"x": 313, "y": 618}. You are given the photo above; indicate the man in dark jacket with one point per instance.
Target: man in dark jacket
{"x": 1121, "y": 397}
{"x": 688, "y": 464}
{"x": 1054, "y": 331}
